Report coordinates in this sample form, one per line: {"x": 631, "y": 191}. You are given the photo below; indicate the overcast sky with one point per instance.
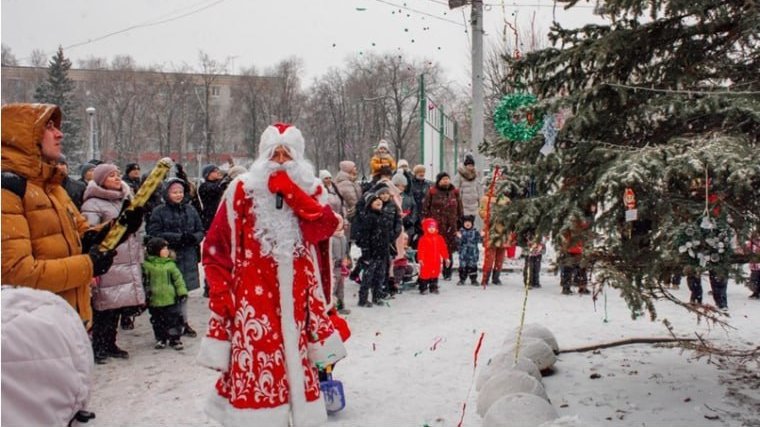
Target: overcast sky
{"x": 257, "y": 32}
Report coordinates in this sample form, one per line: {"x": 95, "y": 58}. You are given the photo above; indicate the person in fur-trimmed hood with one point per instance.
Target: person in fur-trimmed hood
{"x": 178, "y": 223}
{"x": 268, "y": 269}
{"x": 466, "y": 181}
{"x": 444, "y": 204}
{"x": 119, "y": 291}
{"x": 46, "y": 243}
{"x": 382, "y": 158}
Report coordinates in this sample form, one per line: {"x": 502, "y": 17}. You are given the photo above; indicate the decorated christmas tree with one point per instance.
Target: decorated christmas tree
{"x": 640, "y": 140}
{"x": 58, "y": 89}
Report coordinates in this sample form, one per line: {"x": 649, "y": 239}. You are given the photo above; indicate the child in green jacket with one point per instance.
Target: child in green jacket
{"x": 164, "y": 290}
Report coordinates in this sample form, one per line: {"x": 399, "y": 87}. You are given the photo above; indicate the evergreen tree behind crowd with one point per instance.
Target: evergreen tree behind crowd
{"x": 58, "y": 89}
{"x": 665, "y": 101}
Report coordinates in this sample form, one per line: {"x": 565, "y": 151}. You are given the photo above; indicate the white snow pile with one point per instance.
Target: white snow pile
{"x": 511, "y": 393}
{"x": 534, "y": 349}
{"x": 505, "y": 361}
{"x": 519, "y": 409}
{"x": 506, "y": 383}
{"x": 534, "y": 330}
{"x": 566, "y": 421}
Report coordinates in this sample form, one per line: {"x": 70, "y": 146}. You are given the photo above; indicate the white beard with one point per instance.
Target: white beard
{"x": 276, "y": 230}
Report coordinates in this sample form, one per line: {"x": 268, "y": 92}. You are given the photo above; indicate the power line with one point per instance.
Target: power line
{"x": 514, "y": 4}
{"x": 149, "y": 24}
{"x": 419, "y": 12}
{"x": 685, "y": 92}
{"x": 145, "y": 24}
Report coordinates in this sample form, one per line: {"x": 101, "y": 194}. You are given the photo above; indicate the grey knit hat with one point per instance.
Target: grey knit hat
{"x": 399, "y": 179}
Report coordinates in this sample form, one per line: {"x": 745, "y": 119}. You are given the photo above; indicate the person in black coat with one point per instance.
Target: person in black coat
{"x": 375, "y": 250}
{"x": 177, "y": 222}
{"x": 210, "y": 193}
{"x": 74, "y": 188}
{"x": 132, "y": 176}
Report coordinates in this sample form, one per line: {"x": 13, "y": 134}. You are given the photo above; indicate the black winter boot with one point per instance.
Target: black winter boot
{"x": 364, "y": 297}
{"x": 462, "y": 275}
{"x": 474, "y": 277}
{"x": 495, "y": 277}
{"x": 423, "y": 286}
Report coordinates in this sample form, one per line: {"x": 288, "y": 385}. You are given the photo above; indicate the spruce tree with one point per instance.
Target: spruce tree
{"x": 58, "y": 89}
{"x": 663, "y": 100}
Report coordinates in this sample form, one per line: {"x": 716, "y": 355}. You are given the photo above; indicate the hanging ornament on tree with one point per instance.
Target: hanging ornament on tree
{"x": 550, "y": 134}
{"x": 707, "y": 222}
{"x": 629, "y": 199}
{"x": 511, "y": 119}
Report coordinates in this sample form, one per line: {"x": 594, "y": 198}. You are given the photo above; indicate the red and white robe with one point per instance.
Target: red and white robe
{"x": 269, "y": 352}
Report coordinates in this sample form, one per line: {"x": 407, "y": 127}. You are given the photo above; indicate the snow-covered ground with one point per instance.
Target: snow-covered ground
{"x": 411, "y": 363}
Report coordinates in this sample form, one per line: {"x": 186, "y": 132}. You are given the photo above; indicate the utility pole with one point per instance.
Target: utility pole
{"x": 477, "y": 108}
{"x": 477, "y": 132}
{"x": 91, "y": 150}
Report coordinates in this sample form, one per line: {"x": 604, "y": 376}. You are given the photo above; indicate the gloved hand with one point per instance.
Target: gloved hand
{"x": 131, "y": 218}
{"x": 181, "y": 174}
{"x": 302, "y": 204}
{"x": 101, "y": 261}
{"x": 92, "y": 238}
{"x": 181, "y": 299}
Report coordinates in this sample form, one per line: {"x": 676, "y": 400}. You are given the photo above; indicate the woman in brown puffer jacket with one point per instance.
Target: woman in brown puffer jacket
{"x": 121, "y": 287}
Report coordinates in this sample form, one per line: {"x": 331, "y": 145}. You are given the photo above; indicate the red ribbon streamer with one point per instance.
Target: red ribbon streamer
{"x": 477, "y": 350}
{"x": 435, "y": 344}
{"x": 474, "y": 366}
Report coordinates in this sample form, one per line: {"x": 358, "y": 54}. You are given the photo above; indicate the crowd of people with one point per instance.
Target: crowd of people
{"x": 275, "y": 242}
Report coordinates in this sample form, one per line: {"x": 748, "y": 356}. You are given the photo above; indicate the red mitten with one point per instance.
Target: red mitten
{"x": 340, "y": 325}
{"x": 221, "y": 303}
{"x": 302, "y": 204}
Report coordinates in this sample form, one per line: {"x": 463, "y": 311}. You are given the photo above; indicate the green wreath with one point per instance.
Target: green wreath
{"x": 506, "y": 123}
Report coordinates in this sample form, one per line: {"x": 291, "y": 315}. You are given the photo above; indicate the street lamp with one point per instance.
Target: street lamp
{"x": 92, "y": 151}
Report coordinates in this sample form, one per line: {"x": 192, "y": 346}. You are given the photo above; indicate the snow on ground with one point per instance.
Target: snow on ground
{"x": 410, "y": 363}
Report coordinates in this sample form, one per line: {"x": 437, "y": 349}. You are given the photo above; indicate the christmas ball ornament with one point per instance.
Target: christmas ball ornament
{"x": 511, "y": 122}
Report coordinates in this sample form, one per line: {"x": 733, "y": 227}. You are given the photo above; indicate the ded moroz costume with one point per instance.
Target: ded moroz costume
{"x": 268, "y": 272}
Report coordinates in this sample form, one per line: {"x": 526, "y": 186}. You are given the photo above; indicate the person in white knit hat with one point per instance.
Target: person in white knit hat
{"x": 382, "y": 158}
{"x": 266, "y": 258}
{"x": 334, "y": 199}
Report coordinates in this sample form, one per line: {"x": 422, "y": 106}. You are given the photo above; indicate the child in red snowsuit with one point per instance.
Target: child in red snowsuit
{"x": 431, "y": 250}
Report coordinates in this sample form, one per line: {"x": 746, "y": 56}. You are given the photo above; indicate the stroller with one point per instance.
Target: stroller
{"x": 406, "y": 270}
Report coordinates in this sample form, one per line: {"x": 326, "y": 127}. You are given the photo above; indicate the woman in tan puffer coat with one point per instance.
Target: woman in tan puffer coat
{"x": 41, "y": 227}
{"x": 121, "y": 286}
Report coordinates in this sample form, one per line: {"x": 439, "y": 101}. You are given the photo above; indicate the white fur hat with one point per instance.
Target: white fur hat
{"x": 282, "y": 134}
{"x": 324, "y": 173}
{"x": 383, "y": 144}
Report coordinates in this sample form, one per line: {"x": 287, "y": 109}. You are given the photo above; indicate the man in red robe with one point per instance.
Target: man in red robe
{"x": 269, "y": 329}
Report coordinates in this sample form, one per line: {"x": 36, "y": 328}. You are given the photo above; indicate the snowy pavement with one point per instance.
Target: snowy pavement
{"x": 411, "y": 363}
